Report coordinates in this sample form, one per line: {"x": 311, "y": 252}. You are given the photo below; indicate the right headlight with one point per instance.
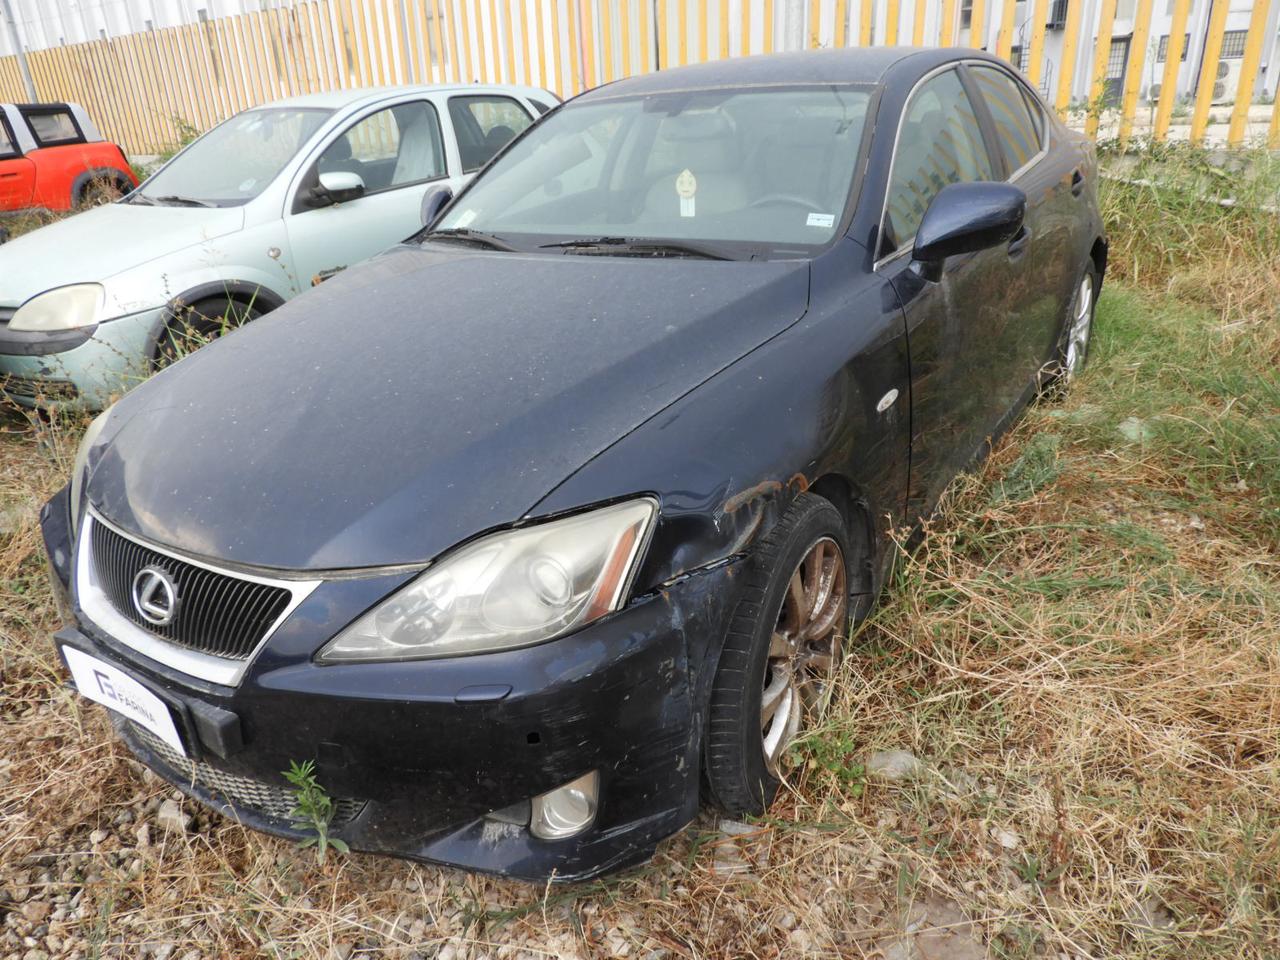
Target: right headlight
{"x": 510, "y": 589}
{"x": 63, "y": 308}
{"x": 81, "y": 465}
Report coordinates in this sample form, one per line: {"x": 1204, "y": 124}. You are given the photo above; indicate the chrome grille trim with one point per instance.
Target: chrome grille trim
{"x": 233, "y": 790}
{"x": 95, "y": 602}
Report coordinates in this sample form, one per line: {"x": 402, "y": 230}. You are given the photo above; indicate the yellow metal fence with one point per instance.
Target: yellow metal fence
{"x": 144, "y": 87}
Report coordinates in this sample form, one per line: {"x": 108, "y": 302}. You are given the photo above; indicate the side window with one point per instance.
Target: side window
{"x": 484, "y": 125}
{"x": 7, "y": 149}
{"x": 53, "y": 127}
{"x": 939, "y": 143}
{"x": 391, "y": 148}
{"x": 1015, "y": 127}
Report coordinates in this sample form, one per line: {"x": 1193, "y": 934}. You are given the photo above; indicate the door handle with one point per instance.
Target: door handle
{"x": 7, "y": 176}
{"x": 1077, "y": 183}
{"x": 1018, "y": 245}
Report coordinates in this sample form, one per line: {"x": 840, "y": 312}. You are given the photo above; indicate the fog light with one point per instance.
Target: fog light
{"x": 567, "y": 810}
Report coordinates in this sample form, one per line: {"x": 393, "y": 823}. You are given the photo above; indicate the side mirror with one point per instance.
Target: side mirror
{"x": 337, "y": 186}
{"x": 433, "y": 201}
{"x": 965, "y": 218}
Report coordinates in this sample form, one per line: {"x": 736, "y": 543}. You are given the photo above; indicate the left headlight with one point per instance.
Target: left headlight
{"x": 509, "y": 589}
{"x": 65, "y": 308}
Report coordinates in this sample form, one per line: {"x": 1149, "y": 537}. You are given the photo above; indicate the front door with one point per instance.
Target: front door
{"x": 957, "y": 325}
{"x": 399, "y": 154}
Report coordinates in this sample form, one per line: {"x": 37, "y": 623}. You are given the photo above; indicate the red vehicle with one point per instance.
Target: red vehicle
{"x": 53, "y": 157}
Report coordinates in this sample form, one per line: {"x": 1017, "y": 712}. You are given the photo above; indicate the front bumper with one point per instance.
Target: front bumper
{"x": 419, "y": 753}
{"x": 86, "y": 367}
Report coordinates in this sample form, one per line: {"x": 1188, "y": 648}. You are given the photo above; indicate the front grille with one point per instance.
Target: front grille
{"x": 37, "y": 389}
{"x": 246, "y": 793}
{"x": 218, "y": 614}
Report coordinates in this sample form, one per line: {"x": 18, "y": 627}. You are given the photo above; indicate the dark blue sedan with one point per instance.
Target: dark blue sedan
{"x": 551, "y": 522}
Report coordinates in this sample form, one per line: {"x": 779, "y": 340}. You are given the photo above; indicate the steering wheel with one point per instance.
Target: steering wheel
{"x": 786, "y": 198}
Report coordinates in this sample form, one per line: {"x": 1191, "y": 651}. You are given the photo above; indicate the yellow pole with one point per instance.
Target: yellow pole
{"x": 842, "y": 16}
{"x": 606, "y": 43}
{"x": 1133, "y": 72}
{"x": 1101, "y": 54}
{"x": 469, "y": 72}
{"x": 978, "y": 23}
{"x": 588, "y": 40}
{"x": 768, "y": 26}
{"x": 917, "y": 24}
{"x": 525, "y": 56}
{"x": 572, "y": 51}
{"x": 891, "y": 22}
{"x": 506, "y": 39}
{"x": 1172, "y": 62}
{"x": 1209, "y": 69}
{"x": 746, "y": 28}
{"x": 624, "y": 17}
{"x": 1067, "y": 69}
{"x": 1248, "y": 72}
{"x": 724, "y": 30}
{"x": 1004, "y": 38}
{"x": 1036, "y": 59}
{"x": 702, "y": 32}
{"x": 682, "y": 24}
{"x": 815, "y": 22}
{"x": 947, "y": 32}
{"x": 556, "y": 50}
{"x": 866, "y": 22}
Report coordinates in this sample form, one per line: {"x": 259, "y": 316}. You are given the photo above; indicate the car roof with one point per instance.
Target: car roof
{"x": 856, "y": 65}
{"x": 338, "y": 99}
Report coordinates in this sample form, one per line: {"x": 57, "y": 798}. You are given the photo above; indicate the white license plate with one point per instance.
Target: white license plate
{"x": 116, "y": 690}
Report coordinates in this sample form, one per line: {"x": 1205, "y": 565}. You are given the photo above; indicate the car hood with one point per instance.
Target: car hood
{"x": 102, "y": 242}
{"x": 420, "y": 399}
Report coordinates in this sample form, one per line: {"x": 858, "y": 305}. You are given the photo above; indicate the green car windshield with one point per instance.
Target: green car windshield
{"x": 745, "y": 172}
{"x": 236, "y": 160}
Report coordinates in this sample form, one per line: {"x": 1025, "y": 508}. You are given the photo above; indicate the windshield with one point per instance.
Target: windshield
{"x": 727, "y": 170}
{"x": 236, "y": 160}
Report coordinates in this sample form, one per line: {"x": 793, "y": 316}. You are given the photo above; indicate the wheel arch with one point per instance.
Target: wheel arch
{"x": 81, "y": 182}
{"x": 1098, "y": 254}
{"x": 242, "y": 292}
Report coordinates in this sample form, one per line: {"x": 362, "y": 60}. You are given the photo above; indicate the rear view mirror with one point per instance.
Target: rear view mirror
{"x": 433, "y": 201}
{"x": 965, "y": 218}
{"x": 337, "y": 186}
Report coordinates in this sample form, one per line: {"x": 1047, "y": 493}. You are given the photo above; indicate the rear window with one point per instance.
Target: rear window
{"x": 484, "y": 125}
{"x": 52, "y": 127}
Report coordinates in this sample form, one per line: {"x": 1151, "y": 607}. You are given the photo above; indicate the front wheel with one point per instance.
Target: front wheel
{"x": 780, "y": 653}
{"x": 191, "y": 327}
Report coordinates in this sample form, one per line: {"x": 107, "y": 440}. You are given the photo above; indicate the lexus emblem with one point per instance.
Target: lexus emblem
{"x": 155, "y": 596}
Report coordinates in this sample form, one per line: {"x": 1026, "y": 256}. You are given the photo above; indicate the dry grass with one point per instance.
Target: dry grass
{"x": 1083, "y": 653}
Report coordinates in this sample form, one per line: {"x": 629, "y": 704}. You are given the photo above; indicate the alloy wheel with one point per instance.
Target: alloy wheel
{"x": 1081, "y": 327}
{"x": 804, "y": 649}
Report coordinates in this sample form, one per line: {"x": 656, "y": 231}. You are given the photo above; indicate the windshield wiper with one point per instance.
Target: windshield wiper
{"x": 489, "y": 240}
{"x": 176, "y": 201}
{"x": 136, "y": 197}
{"x": 641, "y": 247}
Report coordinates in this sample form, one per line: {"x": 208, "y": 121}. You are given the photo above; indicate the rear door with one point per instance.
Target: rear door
{"x": 17, "y": 173}
{"x": 483, "y": 124}
{"x": 956, "y": 327}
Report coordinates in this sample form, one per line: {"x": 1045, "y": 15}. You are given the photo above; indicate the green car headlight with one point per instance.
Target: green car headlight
{"x": 64, "y": 308}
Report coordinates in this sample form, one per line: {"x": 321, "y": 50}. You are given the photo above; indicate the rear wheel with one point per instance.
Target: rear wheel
{"x": 192, "y": 327}
{"x": 1077, "y": 330}
{"x": 781, "y": 650}
{"x": 98, "y": 191}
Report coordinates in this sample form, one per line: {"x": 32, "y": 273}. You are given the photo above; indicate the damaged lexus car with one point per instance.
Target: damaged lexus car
{"x": 550, "y": 523}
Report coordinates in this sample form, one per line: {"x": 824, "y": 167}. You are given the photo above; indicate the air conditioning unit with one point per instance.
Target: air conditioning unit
{"x": 1227, "y": 82}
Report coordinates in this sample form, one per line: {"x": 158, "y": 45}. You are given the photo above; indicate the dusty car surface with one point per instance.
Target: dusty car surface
{"x": 527, "y": 529}
{"x": 53, "y": 157}
{"x": 244, "y": 218}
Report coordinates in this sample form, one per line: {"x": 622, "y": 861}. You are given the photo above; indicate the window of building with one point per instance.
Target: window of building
{"x": 1162, "y": 54}
{"x": 1233, "y": 44}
